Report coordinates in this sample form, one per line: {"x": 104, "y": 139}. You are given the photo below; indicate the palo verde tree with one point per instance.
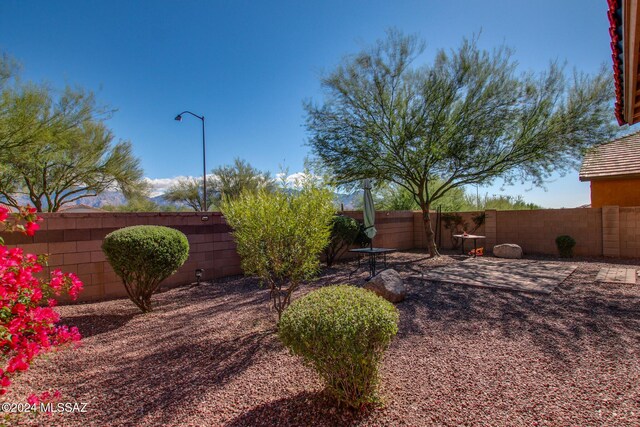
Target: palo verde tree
{"x": 189, "y": 191}
{"x": 225, "y": 182}
{"x": 229, "y": 181}
{"x": 55, "y": 148}
{"x": 469, "y": 117}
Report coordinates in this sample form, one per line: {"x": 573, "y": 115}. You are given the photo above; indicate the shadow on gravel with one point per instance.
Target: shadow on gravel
{"x": 562, "y": 324}
{"x": 303, "y": 409}
{"x": 92, "y": 325}
{"x": 171, "y": 377}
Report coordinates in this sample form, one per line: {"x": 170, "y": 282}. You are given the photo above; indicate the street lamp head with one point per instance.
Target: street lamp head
{"x": 179, "y": 117}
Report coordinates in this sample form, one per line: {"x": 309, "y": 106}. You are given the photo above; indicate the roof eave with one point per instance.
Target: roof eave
{"x": 609, "y": 177}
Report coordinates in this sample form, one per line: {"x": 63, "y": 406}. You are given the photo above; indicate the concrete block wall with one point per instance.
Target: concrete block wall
{"x": 629, "y": 228}
{"x": 611, "y": 231}
{"x": 536, "y": 230}
{"x": 446, "y": 242}
{"x": 491, "y": 229}
{"x": 395, "y": 228}
{"x": 74, "y": 242}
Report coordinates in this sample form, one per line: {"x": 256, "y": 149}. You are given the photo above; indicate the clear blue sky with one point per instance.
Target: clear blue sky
{"x": 248, "y": 65}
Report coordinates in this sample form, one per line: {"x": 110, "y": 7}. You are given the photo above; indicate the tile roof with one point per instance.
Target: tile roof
{"x": 614, "y": 14}
{"x": 617, "y": 158}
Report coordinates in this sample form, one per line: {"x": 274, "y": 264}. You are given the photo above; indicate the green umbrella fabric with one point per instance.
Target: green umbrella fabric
{"x": 369, "y": 211}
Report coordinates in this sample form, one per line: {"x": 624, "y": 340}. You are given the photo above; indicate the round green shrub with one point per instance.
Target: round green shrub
{"x": 565, "y": 246}
{"x": 342, "y": 332}
{"x": 143, "y": 256}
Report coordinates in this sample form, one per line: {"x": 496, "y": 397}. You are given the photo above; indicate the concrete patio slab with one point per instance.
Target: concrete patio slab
{"x": 514, "y": 275}
{"x": 617, "y": 275}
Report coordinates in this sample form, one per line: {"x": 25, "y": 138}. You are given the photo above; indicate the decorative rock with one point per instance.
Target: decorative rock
{"x": 507, "y": 250}
{"x": 389, "y": 285}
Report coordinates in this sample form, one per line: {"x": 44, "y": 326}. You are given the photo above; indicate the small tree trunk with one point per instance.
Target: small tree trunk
{"x": 431, "y": 241}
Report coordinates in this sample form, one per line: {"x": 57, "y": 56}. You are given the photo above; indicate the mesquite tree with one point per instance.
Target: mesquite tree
{"x": 469, "y": 117}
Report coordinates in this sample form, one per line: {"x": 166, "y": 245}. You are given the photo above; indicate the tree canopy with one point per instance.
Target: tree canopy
{"x": 469, "y": 117}
{"x": 229, "y": 181}
{"x": 225, "y": 182}
{"x": 391, "y": 197}
{"x": 55, "y": 147}
{"x": 188, "y": 191}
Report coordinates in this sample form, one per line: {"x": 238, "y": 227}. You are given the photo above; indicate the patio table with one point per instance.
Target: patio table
{"x": 469, "y": 237}
{"x": 373, "y": 253}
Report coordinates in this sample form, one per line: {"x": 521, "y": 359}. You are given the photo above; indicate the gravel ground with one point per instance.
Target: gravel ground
{"x": 208, "y": 356}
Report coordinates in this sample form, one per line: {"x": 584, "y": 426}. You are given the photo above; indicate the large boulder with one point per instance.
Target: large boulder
{"x": 507, "y": 250}
{"x": 389, "y": 285}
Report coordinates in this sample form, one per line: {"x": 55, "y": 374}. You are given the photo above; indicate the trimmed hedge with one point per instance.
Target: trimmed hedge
{"x": 143, "y": 256}
{"x": 342, "y": 332}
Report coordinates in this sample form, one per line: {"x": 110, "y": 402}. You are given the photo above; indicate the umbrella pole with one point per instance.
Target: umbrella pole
{"x": 372, "y": 260}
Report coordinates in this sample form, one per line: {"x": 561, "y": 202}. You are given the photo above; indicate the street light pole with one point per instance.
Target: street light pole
{"x": 204, "y": 169}
{"x": 204, "y": 158}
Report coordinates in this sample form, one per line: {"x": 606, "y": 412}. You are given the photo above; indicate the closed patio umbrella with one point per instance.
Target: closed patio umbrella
{"x": 369, "y": 212}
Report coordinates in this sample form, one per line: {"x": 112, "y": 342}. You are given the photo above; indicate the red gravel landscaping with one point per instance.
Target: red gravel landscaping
{"x": 208, "y": 356}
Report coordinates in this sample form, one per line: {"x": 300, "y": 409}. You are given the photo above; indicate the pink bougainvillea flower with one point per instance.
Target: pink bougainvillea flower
{"x": 31, "y": 228}
{"x": 30, "y": 327}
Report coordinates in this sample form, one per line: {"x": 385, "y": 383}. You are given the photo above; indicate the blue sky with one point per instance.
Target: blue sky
{"x": 248, "y": 65}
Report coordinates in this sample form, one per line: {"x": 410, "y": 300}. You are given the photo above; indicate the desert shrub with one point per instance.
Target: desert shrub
{"x": 361, "y": 238}
{"x": 565, "y": 246}
{"x": 280, "y": 236}
{"x": 344, "y": 232}
{"x": 455, "y": 224}
{"x": 143, "y": 256}
{"x": 342, "y": 332}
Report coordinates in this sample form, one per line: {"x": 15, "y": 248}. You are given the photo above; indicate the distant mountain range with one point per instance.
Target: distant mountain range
{"x": 115, "y": 198}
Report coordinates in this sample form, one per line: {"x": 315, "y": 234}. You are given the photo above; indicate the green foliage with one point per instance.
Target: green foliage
{"x": 565, "y": 246}
{"x": 468, "y": 118}
{"x": 342, "y": 332}
{"x": 140, "y": 204}
{"x": 229, "y": 181}
{"x": 189, "y": 191}
{"x": 362, "y": 239}
{"x": 143, "y": 256}
{"x": 396, "y": 198}
{"x": 225, "y": 182}
{"x": 344, "y": 232}
{"x": 280, "y": 236}
{"x": 500, "y": 203}
{"x": 55, "y": 148}
{"x": 457, "y": 225}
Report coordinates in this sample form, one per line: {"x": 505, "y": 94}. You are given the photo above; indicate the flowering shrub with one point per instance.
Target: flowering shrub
{"x": 27, "y": 315}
